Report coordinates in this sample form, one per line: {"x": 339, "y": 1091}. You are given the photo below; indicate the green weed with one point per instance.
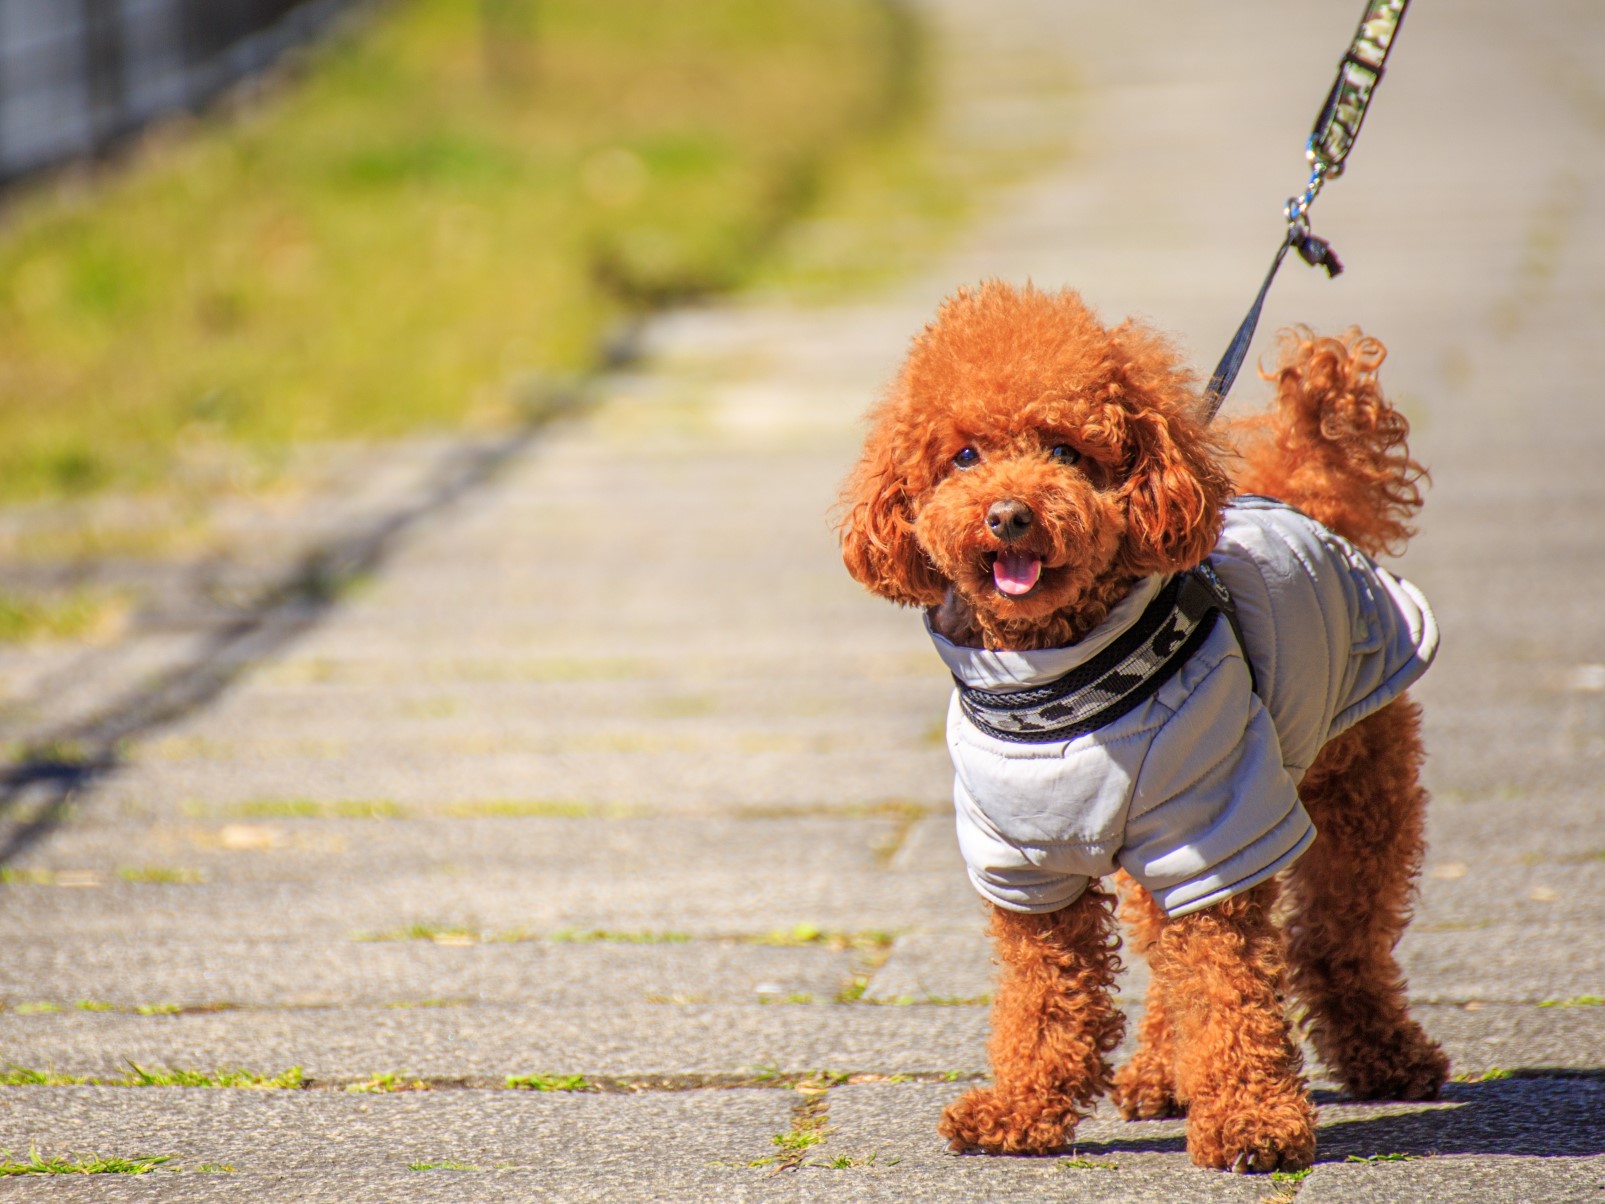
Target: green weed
{"x": 289, "y": 1080}
{"x": 22, "y": 1076}
{"x": 305, "y": 808}
{"x": 812, "y": 934}
{"x": 162, "y": 875}
{"x": 88, "y": 1164}
{"x": 520, "y": 809}
{"x": 11, "y": 875}
{"x": 548, "y": 1082}
{"x": 79, "y": 614}
{"x": 381, "y": 1084}
{"x": 843, "y": 1162}
{"x": 793, "y": 1139}
{"x": 1493, "y": 1074}
{"x": 450, "y": 935}
{"x": 607, "y": 936}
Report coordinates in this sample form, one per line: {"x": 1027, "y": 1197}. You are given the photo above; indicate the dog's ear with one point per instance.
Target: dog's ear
{"x": 1175, "y": 489}
{"x": 877, "y": 516}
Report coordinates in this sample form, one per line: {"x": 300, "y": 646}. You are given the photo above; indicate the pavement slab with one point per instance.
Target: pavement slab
{"x": 605, "y": 768}
{"x": 485, "y": 1043}
{"x": 341, "y": 1146}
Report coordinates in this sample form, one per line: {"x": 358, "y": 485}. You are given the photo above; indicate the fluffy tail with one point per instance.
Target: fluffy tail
{"x": 1332, "y": 445}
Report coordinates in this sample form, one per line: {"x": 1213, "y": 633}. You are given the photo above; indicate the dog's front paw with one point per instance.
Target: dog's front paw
{"x": 979, "y": 1120}
{"x": 1276, "y": 1135}
{"x": 1145, "y": 1089}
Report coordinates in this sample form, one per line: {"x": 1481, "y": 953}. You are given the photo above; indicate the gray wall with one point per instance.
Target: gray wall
{"x": 77, "y": 74}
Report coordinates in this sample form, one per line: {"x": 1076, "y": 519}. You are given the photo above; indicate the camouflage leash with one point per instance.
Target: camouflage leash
{"x": 1330, "y": 142}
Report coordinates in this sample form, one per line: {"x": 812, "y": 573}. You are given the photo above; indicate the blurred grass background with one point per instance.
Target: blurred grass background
{"x": 444, "y": 205}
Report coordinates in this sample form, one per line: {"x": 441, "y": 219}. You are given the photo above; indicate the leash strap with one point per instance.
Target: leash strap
{"x": 1336, "y": 128}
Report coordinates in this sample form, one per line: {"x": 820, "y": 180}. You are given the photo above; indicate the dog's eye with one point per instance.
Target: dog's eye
{"x": 967, "y": 458}
{"x": 1063, "y": 453}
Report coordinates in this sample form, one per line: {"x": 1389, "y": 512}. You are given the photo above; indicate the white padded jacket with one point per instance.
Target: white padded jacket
{"x": 1194, "y": 792}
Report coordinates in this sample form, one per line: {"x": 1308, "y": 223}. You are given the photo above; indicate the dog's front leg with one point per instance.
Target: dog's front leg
{"x": 1054, "y": 1025}
{"x": 1238, "y": 1071}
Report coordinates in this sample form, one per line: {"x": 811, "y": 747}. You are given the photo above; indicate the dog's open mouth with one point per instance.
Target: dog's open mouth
{"x": 1016, "y": 573}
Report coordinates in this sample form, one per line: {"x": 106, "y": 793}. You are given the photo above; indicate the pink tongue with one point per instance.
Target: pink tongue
{"x": 1015, "y": 573}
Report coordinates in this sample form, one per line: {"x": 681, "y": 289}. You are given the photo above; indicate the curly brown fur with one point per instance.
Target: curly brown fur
{"x": 1351, "y": 894}
{"x": 1238, "y": 1072}
{"x": 1145, "y": 1087}
{"x": 1332, "y": 445}
{"x": 1054, "y": 1025}
{"x": 1027, "y": 466}
{"x": 1010, "y": 375}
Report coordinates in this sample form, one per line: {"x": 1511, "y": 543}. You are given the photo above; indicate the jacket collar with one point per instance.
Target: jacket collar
{"x": 986, "y": 669}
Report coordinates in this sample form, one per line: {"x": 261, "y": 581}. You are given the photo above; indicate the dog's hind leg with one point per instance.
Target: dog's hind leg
{"x": 1054, "y": 1025}
{"x": 1351, "y": 896}
{"x": 1145, "y": 1087}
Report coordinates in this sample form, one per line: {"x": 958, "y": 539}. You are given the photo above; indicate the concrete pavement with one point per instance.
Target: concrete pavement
{"x": 609, "y": 771}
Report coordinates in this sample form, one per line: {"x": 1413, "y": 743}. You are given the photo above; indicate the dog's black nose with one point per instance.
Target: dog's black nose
{"x": 1008, "y": 520}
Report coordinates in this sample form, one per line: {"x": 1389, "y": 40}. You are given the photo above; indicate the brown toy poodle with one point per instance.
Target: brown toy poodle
{"x": 1178, "y": 666}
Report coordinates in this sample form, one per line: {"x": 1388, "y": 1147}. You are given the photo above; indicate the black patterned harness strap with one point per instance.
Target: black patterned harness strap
{"x": 1118, "y": 679}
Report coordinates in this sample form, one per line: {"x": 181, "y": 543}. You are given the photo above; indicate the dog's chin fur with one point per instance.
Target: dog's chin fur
{"x": 992, "y": 619}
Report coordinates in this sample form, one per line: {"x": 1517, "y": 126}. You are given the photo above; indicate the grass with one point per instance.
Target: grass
{"x": 421, "y": 226}
{"x": 793, "y": 1140}
{"x": 13, "y": 875}
{"x": 522, "y": 809}
{"x": 162, "y": 875}
{"x": 86, "y": 1164}
{"x": 444, "y": 1164}
{"x": 843, "y": 1162}
{"x": 1575, "y": 1001}
{"x": 74, "y": 615}
{"x": 306, "y": 808}
{"x": 1381, "y": 1158}
{"x": 1288, "y": 1184}
{"x": 138, "y": 1076}
{"x": 383, "y": 1084}
{"x": 811, "y": 934}
{"x": 1491, "y": 1075}
{"x": 288, "y": 1080}
{"x": 440, "y": 935}
{"x": 810, "y": 1122}
{"x": 587, "y": 936}
{"x": 549, "y": 1082}
{"x": 1078, "y": 1163}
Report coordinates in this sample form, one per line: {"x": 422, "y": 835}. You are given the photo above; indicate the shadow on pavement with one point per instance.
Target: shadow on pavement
{"x": 1535, "y": 1112}
{"x": 54, "y": 768}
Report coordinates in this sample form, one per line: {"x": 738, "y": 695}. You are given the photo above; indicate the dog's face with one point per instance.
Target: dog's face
{"x": 1031, "y": 460}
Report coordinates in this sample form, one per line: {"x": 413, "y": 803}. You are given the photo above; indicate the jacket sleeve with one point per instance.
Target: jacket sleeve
{"x": 1014, "y": 875}
{"x": 1214, "y": 810}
